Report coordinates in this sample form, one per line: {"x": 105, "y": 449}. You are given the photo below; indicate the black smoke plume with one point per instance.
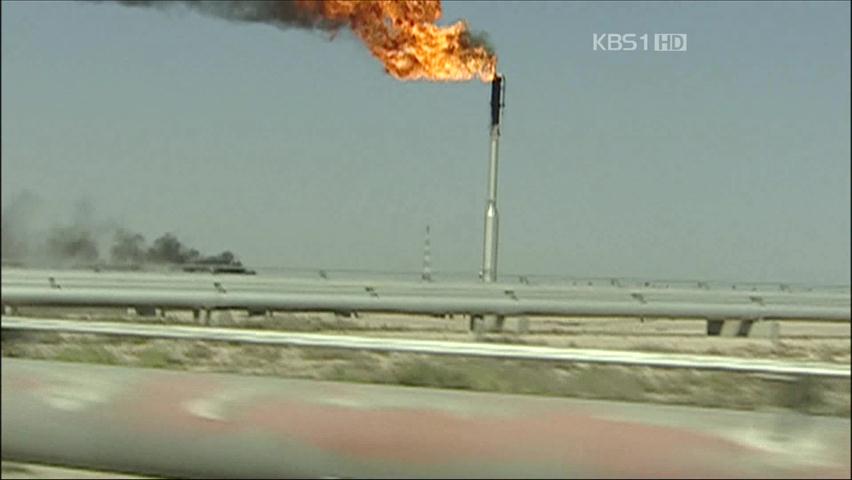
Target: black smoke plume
{"x": 72, "y": 243}
{"x": 169, "y": 250}
{"x": 128, "y": 248}
{"x": 78, "y": 243}
{"x": 279, "y": 13}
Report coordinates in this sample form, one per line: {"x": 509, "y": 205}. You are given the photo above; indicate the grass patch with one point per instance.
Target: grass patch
{"x": 137, "y": 340}
{"x": 420, "y": 373}
{"x": 360, "y": 372}
{"x": 262, "y": 353}
{"x": 802, "y": 394}
{"x": 87, "y": 354}
{"x": 155, "y": 357}
{"x": 332, "y": 354}
{"x": 594, "y": 381}
{"x": 480, "y": 375}
{"x": 14, "y": 336}
{"x": 32, "y": 337}
{"x": 293, "y": 323}
{"x": 198, "y": 351}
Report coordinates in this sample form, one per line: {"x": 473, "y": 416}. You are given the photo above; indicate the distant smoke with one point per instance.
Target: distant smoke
{"x": 168, "y": 249}
{"x": 17, "y": 225}
{"x": 128, "y": 248}
{"x": 279, "y": 13}
{"x": 78, "y": 243}
{"x": 225, "y": 257}
{"x": 72, "y": 242}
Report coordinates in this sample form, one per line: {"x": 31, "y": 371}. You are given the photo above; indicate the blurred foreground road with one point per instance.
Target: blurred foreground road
{"x": 30, "y": 471}
{"x": 168, "y": 423}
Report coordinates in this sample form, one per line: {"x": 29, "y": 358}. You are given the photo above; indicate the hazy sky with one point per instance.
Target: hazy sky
{"x": 729, "y": 161}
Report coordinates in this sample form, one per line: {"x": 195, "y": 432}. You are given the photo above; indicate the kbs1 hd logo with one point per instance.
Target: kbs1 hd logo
{"x": 632, "y": 42}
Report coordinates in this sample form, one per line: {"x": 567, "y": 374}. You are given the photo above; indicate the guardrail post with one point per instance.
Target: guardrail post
{"x": 476, "y": 324}
{"x": 714, "y": 327}
{"x": 480, "y": 324}
{"x": 759, "y": 328}
{"x": 729, "y": 327}
{"x": 145, "y": 311}
{"x": 518, "y": 325}
{"x": 770, "y": 329}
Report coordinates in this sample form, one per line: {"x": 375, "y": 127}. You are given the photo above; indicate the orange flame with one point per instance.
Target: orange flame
{"x": 403, "y": 35}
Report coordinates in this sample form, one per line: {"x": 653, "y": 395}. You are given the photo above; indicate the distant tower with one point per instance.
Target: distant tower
{"x": 427, "y": 259}
{"x": 489, "y": 241}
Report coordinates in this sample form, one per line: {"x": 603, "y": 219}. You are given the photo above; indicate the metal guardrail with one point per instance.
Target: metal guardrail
{"x": 417, "y": 304}
{"x": 17, "y": 276}
{"x": 445, "y": 276}
{"x": 515, "y": 352}
{"x": 390, "y": 295}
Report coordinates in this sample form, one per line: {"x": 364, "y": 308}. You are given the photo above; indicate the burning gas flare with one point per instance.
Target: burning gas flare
{"x": 404, "y": 37}
{"x": 402, "y": 34}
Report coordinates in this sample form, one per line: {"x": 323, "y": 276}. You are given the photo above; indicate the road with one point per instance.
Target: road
{"x": 31, "y": 471}
{"x": 169, "y": 423}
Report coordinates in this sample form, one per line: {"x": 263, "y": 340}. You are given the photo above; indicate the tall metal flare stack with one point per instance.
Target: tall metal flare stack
{"x": 489, "y": 246}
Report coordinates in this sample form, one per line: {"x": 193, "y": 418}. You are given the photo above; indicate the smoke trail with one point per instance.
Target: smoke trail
{"x": 78, "y": 243}
{"x": 281, "y": 14}
{"x": 402, "y": 34}
{"x": 16, "y": 228}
